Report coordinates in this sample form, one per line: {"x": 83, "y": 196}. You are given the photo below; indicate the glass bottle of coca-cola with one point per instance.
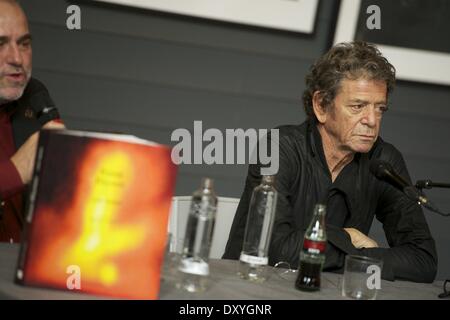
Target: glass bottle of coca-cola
{"x": 312, "y": 256}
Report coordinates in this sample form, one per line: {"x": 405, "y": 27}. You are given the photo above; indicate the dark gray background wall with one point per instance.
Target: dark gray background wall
{"x": 149, "y": 73}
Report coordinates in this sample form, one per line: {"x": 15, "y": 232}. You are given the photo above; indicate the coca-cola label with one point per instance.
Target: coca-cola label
{"x": 314, "y": 246}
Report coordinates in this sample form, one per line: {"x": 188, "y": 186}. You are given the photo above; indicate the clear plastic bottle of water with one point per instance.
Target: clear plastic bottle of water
{"x": 194, "y": 267}
{"x": 258, "y": 231}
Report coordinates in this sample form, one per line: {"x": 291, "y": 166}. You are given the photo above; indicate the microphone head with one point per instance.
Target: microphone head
{"x": 385, "y": 172}
{"x": 380, "y": 168}
{"x": 36, "y": 96}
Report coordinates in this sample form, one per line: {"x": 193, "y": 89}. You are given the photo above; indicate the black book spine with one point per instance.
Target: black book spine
{"x": 30, "y": 203}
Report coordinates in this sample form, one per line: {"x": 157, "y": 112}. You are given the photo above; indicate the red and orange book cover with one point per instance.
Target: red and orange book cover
{"x": 97, "y": 212}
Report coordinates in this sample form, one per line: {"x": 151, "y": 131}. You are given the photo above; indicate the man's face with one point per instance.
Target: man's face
{"x": 354, "y": 120}
{"x": 15, "y": 52}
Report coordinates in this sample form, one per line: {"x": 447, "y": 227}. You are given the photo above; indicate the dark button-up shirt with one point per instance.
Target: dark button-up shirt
{"x": 353, "y": 200}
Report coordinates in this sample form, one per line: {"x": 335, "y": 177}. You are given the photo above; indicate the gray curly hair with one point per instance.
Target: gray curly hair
{"x": 347, "y": 60}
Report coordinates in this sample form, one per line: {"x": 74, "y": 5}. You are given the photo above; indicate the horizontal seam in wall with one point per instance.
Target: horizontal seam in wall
{"x": 172, "y": 86}
{"x": 189, "y": 44}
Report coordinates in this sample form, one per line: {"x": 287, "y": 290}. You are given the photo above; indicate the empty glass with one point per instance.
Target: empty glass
{"x": 362, "y": 277}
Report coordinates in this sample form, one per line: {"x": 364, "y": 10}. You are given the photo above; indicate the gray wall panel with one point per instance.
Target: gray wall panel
{"x": 167, "y": 63}
{"x": 148, "y": 104}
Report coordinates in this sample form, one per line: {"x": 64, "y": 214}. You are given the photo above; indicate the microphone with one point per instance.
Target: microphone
{"x": 384, "y": 171}
{"x": 43, "y": 105}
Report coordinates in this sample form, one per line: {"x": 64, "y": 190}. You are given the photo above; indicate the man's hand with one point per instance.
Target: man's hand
{"x": 54, "y": 125}
{"x": 360, "y": 240}
{"x": 24, "y": 158}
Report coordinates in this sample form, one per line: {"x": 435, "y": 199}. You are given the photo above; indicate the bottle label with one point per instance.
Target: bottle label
{"x": 315, "y": 247}
{"x": 253, "y": 259}
{"x": 203, "y": 208}
{"x": 192, "y": 266}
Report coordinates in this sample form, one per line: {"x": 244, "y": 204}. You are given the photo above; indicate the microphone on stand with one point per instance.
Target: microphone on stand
{"x": 385, "y": 172}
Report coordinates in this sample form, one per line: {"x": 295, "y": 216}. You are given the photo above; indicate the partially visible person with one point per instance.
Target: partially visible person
{"x": 25, "y": 108}
{"x": 326, "y": 160}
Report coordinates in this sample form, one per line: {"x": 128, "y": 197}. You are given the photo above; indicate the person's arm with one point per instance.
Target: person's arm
{"x": 287, "y": 238}
{"x": 412, "y": 253}
{"x": 23, "y": 159}
{"x": 10, "y": 181}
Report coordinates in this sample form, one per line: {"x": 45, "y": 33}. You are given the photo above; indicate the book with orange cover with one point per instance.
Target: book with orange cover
{"x": 97, "y": 214}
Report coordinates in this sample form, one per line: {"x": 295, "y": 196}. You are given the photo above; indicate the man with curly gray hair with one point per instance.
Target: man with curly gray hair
{"x": 326, "y": 160}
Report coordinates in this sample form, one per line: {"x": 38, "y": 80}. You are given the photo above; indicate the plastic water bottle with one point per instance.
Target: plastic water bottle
{"x": 194, "y": 266}
{"x": 258, "y": 231}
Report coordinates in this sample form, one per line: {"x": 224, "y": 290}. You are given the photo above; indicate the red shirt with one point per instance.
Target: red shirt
{"x": 10, "y": 184}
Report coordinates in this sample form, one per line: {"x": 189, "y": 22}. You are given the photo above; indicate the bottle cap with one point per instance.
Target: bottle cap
{"x": 269, "y": 179}
{"x": 207, "y": 183}
{"x": 320, "y": 208}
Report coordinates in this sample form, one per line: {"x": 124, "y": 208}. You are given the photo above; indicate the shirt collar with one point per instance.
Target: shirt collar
{"x": 316, "y": 146}
{"x": 8, "y": 108}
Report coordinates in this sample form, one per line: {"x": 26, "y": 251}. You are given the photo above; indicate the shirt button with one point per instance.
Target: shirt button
{"x": 2, "y": 204}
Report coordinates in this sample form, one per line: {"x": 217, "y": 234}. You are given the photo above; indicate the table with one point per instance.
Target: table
{"x": 225, "y": 284}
